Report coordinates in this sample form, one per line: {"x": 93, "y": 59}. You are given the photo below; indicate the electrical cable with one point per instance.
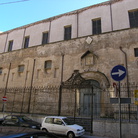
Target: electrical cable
{"x": 13, "y": 2}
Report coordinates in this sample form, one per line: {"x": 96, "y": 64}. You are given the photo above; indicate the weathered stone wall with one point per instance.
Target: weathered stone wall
{"x": 113, "y": 15}
{"x": 104, "y": 48}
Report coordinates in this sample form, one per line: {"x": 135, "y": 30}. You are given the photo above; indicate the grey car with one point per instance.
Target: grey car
{"x": 20, "y": 121}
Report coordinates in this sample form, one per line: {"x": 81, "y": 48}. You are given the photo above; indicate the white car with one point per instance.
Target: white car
{"x": 61, "y": 125}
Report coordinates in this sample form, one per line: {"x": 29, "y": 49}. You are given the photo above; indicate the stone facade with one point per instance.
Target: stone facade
{"x": 104, "y": 51}
{"x": 94, "y": 56}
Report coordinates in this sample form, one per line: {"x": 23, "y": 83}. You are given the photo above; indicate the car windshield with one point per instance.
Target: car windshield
{"x": 67, "y": 122}
{"x": 24, "y": 118}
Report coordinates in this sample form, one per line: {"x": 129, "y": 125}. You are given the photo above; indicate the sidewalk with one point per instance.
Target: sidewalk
{"x": 88, "y": 135}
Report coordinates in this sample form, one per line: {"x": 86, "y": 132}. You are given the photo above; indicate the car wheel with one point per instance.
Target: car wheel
{"x": 44, "y": 129}
{"x": 70, "y": 135}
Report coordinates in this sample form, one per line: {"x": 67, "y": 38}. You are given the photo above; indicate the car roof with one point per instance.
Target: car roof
{"x": 61, "y": 117}
{"x": 28, "y": 134}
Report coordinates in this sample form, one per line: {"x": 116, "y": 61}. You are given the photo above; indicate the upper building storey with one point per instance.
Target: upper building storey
{"x": 93, "y": 20}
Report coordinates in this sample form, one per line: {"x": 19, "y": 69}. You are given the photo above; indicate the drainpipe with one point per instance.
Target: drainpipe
{"x": 6, "y": 42}
{"x": 111, "y": 15}
{"x": 31, "y": 86}
{"x": 126, "y": 70}
{"x": 23, "y": 38}
{"x": 60, "y": 89}
{"x": 7, "y": 80}
{"x": 127, "y": 79}
{"x": 49, "y": 31}
{"x": 77, "y": 24}
{"x": 3, "y": 107}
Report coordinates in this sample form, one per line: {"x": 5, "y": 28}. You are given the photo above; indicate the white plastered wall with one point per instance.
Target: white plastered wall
{"x": 57, "y": 27}
{"x": 35, "y": 33}
{"x": 120, "y": 13}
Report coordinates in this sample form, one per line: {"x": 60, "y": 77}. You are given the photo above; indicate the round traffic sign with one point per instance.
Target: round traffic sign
{"x": 118, "y": 73}
{"x": 4, "y": 99}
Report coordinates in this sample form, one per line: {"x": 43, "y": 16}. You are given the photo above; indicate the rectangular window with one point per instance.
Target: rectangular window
{"x": 96, "y": 26}
{"x": 0, "y": 71}
{"x": 67, "y": 33}
{"x": 45, "y": 38}
{"x": 48, "y": 64}
{"x": 20, "y": 68}
{"x": 26, "y": 42}
{"x": 133, "y": 18}
{"x": 136, "y": 52}
{"x": 10, "y": 45}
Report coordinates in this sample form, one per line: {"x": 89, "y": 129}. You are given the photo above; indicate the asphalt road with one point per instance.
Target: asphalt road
{"x": 85, "y": 136}
{"x": 6, "y": 129}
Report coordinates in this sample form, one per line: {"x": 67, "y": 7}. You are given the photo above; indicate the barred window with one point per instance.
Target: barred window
{"x": 96, "y": 26}
{"x": 48, "y": 64}
{"x": 67, "y": 33}
{"x": 136, "y": 52}
{"x": 45, "y": 38}
{"x": 133, "y": 18}
{"x": 20, "y": 68}
{"x": 26, "y": 42}
{"x": 0, "y": 70}
{"x": 10, "y": 45}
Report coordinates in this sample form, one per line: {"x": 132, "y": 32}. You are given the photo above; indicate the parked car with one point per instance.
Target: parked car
{"x": 20, "y": 120}
{"x": 20, "y": 132}
{"x": 61, "y": 125}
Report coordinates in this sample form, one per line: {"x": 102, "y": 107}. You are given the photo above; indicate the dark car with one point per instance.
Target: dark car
{"x": 20, "y": 120}
{"x": 20, "y": 132}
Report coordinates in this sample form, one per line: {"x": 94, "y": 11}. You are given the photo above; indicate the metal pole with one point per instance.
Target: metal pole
{"x": 127, "y": 79}
{"x": 60, "y": 89}
{"x": 137, "y": 112}
{"x": 59, "y": 103}
{"x": 91, "y": 110}
{"x": 3, "y": 108}
{"x": 75, "y": 103}
{"x": 119, "y": 102}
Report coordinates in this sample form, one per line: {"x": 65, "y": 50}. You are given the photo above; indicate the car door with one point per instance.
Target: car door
{"x": 59, "y": 127}
{"x": 10, "y": 121}
{"x": 48, "y": 122}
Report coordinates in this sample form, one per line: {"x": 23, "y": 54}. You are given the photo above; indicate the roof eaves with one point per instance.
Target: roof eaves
{"x": 65, "y": 14}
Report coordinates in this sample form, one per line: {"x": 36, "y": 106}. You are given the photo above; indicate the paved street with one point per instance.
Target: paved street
{"x": 87, "y": 135}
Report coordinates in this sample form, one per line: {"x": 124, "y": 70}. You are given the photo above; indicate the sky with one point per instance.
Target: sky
{"x": 16, "y": 13}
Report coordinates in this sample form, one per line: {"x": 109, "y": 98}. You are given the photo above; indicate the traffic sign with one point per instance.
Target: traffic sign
{"x": 118, "y": 73}
{"x": 136, "y": 96}
{"x": 4, "y": 99}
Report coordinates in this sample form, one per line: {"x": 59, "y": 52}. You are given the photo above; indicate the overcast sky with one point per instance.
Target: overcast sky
{"x": 16, "y": 13}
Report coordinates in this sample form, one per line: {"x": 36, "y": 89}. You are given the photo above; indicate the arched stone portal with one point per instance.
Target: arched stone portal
{"x": 88, "y": 91}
